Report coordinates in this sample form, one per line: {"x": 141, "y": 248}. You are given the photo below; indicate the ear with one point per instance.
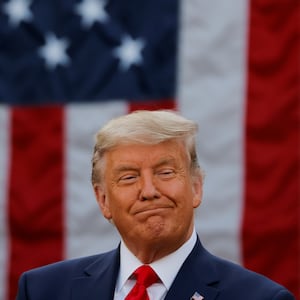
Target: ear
{"x": 197, "y": 190}
{"x": 102, "y": 201}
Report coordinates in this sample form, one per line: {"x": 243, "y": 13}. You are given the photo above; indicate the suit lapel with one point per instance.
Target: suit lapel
{"x": 197, "y": 274}
{"x": 98, "y": 280}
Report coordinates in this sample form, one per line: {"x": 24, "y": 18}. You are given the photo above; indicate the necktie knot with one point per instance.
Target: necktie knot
{"x": 145, "y": 276}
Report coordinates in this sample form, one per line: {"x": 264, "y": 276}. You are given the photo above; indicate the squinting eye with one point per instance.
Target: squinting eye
{"x": 166, "y": 173}
{"x": 128, "y": 178}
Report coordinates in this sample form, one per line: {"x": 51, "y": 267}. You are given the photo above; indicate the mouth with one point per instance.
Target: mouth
{"x": 153, "y": 210}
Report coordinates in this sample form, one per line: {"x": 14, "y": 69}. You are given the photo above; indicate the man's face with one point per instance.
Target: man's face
{"x": 149, "y": 193}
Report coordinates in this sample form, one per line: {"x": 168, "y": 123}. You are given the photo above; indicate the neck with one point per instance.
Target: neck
{"x": 149, "y": 252}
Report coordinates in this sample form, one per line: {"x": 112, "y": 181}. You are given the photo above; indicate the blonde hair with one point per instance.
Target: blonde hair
{"x": 145, "y": 127}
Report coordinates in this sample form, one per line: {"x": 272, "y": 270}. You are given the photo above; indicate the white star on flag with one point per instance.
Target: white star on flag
{"x": 91, "y": 11}
{"x": 18, "y": 11}
{"x": 54, "y": 51}
{"x": 129, "y": 52}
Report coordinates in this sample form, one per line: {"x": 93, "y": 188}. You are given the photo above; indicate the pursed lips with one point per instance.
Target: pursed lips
{"x": 153, "y": 209}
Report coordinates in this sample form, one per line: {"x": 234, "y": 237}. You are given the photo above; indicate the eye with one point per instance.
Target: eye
{"x": 166, "y": 173}
{"x": 128, "y": 178}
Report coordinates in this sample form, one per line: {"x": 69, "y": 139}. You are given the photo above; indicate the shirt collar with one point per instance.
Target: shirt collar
{"x": 166, "y": 268}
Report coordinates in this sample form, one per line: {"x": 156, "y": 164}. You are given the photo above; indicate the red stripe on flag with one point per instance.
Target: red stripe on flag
{"x": 271, "y": 225}
{"x": 36, "y": 190}
{"x": 152, "y": 105}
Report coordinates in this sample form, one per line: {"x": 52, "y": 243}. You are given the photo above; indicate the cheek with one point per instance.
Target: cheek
{"x": 121, "y": 200}
{"x": 187, "y": 200}
{"x": 177, "y": 189}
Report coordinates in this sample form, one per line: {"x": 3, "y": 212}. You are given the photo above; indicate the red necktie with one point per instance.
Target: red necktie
{"x": 145, "y": 276}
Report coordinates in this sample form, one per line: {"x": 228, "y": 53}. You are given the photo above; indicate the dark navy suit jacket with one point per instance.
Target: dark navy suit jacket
{"x": 94, "y": 278}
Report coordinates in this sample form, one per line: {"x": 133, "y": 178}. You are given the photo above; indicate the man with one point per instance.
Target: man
{"x": 147, "y": 182}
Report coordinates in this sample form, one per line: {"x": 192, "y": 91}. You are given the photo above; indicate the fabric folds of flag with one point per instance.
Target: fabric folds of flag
{"x": 67, "y": 67}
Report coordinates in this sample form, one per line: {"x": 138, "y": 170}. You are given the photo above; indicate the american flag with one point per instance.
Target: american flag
{"x": 67, "y": 67}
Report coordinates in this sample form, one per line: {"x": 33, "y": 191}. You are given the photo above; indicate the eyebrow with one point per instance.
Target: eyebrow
{"x": 165, "y": 161}
{"x": 128, "y": 167}
{"x": 124, "y": 168}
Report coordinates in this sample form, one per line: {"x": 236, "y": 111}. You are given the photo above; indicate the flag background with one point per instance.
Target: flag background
{"x": 232, "y": 66}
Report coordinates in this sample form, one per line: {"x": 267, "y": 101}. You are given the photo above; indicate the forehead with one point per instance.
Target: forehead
{"x": 165, "y": 152}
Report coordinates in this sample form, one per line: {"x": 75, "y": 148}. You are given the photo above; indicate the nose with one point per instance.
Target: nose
{"x": 148, "y": 189}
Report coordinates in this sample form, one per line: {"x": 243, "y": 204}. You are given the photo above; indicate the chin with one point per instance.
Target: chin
{"x": 159, "y": 229}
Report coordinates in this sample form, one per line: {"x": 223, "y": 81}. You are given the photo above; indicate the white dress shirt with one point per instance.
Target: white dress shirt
{"x": 166, "y": 268}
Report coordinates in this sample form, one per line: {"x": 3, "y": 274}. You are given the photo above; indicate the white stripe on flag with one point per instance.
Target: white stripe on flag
{"x": 212, "y": 91}
{"x": 4, "y": 161}
{"x": 84, "y": 221}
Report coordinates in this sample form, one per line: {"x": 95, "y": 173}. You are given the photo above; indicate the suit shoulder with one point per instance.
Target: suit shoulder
{"x": 70, "y": 266}
{"x": 252, "y": 282}
{"x": 55, "y": 280}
